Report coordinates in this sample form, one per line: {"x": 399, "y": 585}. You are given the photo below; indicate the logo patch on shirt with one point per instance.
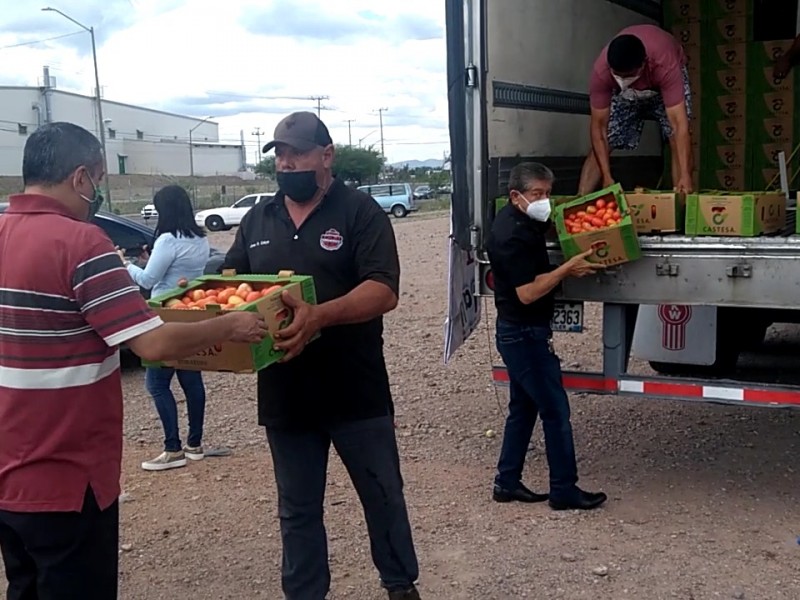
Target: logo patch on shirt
{"x": 331, "y": 240}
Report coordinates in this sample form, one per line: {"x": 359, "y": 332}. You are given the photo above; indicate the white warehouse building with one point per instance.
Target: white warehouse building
{"x": 138, "y": 140}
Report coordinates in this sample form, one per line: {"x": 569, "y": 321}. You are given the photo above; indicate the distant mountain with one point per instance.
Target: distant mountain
{"x": 431, "y": 163}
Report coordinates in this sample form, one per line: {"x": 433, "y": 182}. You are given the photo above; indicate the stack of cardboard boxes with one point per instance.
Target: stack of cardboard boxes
{"x": 743, "y": 116}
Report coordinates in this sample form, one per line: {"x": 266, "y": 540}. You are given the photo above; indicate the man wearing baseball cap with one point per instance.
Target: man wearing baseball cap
{"x": 333, "y": 389}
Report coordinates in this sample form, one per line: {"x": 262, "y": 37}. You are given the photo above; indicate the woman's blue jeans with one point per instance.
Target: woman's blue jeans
{"x": 157, "y": 382}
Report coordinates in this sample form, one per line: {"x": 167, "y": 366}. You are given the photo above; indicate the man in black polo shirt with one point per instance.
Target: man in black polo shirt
{"x": 525, "y": 284}
{"x": 334, "y": 389}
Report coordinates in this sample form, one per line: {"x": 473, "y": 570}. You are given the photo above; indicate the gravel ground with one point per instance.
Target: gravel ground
{"x": 702, "y": 498}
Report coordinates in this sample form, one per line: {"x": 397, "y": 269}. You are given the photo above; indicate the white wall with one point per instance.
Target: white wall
{"x": 16, "y": 108}
{"x": 173, "y": 158}
{"x": 217, "y": 160}
{"x": 153, "y": 141}
{"x": 551, "y": 44}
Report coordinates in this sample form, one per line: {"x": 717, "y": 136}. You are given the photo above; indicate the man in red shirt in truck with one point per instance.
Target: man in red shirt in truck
{"x": 641, "y": 74}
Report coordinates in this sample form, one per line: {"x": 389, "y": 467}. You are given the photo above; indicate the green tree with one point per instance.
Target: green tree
{"x": 266, "y": 168}
{"x": 361, "y": 165}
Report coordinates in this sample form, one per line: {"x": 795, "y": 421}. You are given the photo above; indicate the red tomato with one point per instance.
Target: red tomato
{"x": 600, "y": 203}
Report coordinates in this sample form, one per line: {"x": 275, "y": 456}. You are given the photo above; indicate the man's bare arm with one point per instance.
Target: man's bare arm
{"x": 599, "y": 134}
{"x": 178, "y": 340}
{"x": 679, "y": 121}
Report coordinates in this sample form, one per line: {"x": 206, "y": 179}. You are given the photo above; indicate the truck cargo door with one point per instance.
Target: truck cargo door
{"x": 467, "y": 152}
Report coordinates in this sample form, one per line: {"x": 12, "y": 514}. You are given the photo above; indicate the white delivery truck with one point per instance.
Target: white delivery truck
{"x": 691, "y": 306}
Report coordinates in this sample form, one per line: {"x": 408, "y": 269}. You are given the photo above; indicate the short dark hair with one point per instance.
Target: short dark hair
{"x": 626, "y": 53}
{"x": 175, "y": 213}
{"x": 55, "y": 150}
{"x": 524, "y": 174}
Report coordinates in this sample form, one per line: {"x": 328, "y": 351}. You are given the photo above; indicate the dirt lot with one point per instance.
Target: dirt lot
{"x": 702, "y": 498}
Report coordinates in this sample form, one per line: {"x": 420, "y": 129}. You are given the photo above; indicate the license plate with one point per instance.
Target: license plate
{"x": 568, "y": 317}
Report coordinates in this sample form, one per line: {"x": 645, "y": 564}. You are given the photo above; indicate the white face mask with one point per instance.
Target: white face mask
{"x": 625, "y": 82}
{"x": 538, "y": 210}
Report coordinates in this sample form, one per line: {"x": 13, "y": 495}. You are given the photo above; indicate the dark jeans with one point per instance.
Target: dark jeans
{"x": 534, "y": 371}
{"x": 368, "y": 450}
{"x": 61, "y": 555}
{"x": 157, "y": 382}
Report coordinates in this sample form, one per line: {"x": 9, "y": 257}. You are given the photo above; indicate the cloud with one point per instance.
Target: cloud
{"x": 252, "y": 62}
{"x": 108, "y": 17}
{"x": 220, "y": 106}
{"x": 290, "y": 19}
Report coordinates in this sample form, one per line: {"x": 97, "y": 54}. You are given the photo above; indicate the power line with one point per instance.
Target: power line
{"x": 58, "y": 37}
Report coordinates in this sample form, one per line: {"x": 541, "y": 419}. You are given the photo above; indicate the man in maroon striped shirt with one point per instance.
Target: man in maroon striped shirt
{"x": 66, "y": 304}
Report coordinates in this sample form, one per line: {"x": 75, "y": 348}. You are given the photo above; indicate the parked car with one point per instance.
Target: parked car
{"x": 423, "y": 192}
{"x": 217, "y": 219}
{"x": 394, "y": 198}
{"x": 444, "y": 189}
{"x": 149, "y": 212}
{"x": 131, "y": 236}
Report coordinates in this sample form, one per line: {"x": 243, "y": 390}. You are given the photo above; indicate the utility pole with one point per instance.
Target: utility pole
{"x": 100, "y": 123}
{"x": 380, "y": 114}
{"x": 349, "y": 132}
{"x": 258, "y": 133}
{"x": 319, "y": 100}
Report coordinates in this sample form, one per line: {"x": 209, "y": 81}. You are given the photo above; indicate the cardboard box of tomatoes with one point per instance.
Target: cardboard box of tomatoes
{"x": 657, "y": 212}
{"x": 741, "y": 214}
{"x": 601, "y": 221}
{"x": 209, "y": 296}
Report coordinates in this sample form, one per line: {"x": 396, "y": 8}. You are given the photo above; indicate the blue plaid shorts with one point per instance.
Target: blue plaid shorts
{"x": 627, "y": 117}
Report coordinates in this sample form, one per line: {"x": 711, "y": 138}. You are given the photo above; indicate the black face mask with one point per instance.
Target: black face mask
{"x": 300, "y": 186}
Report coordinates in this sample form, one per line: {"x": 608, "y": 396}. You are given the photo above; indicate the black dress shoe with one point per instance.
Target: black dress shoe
{"x": 519, "y": 494}
{"x": 409, "y": 594}
{"x": 583, "y": 501}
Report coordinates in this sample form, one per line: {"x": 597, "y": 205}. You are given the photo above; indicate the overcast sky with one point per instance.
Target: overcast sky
{"x": 223, "y": 57}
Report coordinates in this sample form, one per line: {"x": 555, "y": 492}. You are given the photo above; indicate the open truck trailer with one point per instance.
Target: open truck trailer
{"x": 518, "y": 73}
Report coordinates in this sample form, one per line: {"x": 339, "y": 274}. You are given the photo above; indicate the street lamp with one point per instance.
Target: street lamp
{"x": 100, "y": 122}
{"x": 191, "y": 159}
